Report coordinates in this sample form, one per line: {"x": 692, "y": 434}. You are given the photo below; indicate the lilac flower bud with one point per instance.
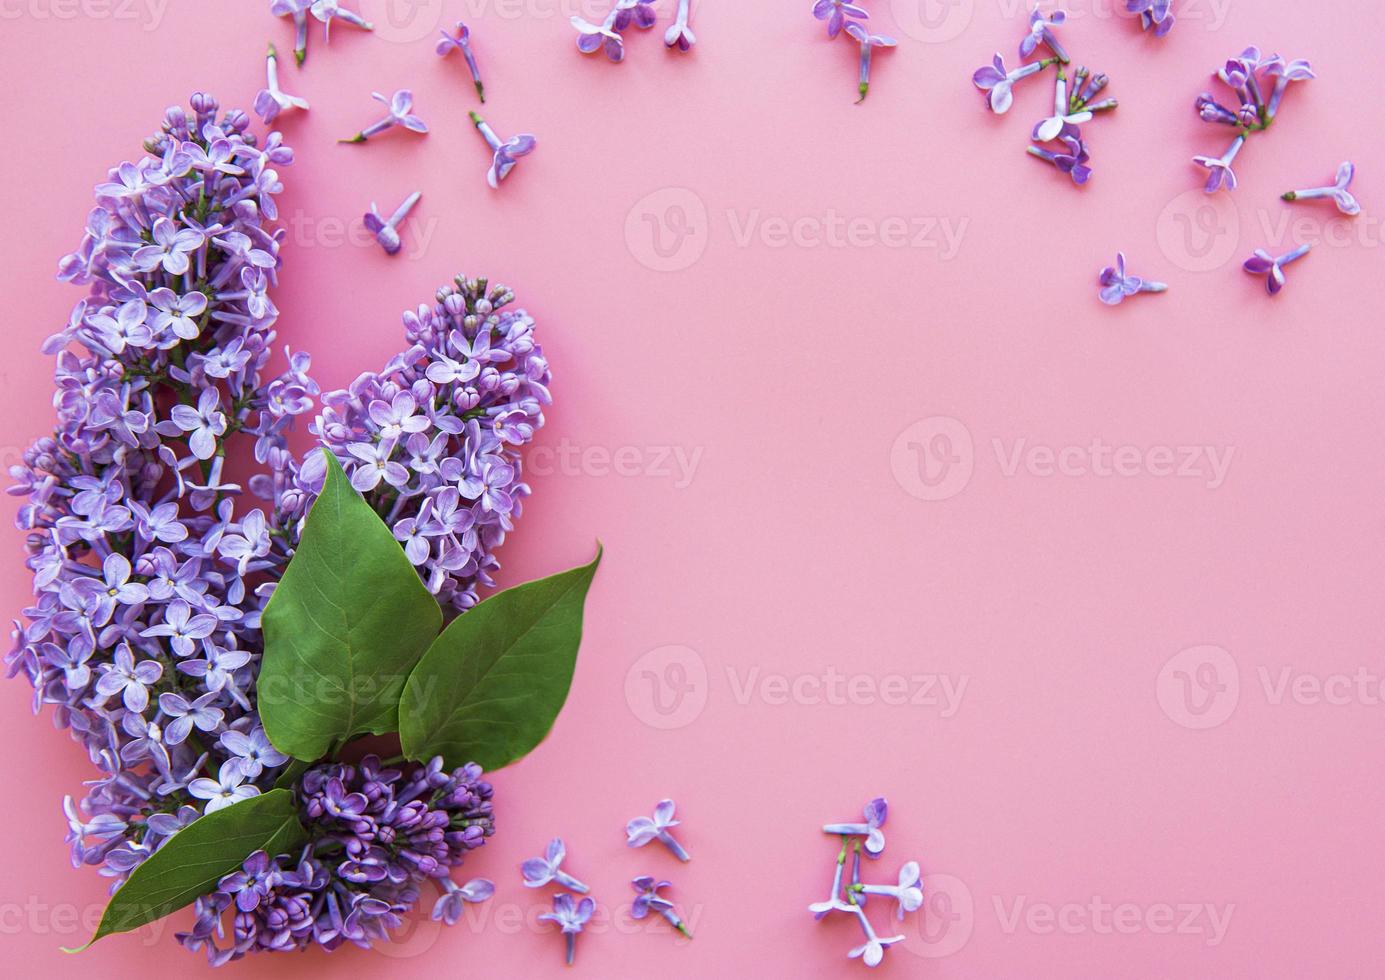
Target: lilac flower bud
{"x": 462, "y": 43}
{"x": 386, "y": 232}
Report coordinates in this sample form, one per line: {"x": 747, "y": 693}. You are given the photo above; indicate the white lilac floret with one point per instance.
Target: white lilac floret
{"x": 386, "y": 231}
{"x": 1264, "y": 264}
{"x": 648, "y": 899}
{"x": 1339, "y": 192}
{"x": 908, "y": 893}
{"x": 1063, "y": 112}
{"x": 273, "y": 100}
{"x": 540, "y": 871}
{"x": 875, "y": 813}
{"x": 679, "y": 34}
{"x": 570, "y": 916}
{"x": 641, "y": 830}
{"x": 1155, "y": 15}
{"x": 151, "y": 567}
{"x": 834, "y": 901}
{"x": 1219, "y": 172}
{"x": 399, "y": 112}
{"x": 1116, "y": 285}
{"x": 298, "y": 11}
{"x": 872, "y": 951}
{"x": 462, "y": 42}
{"x": 504, "y": 153}
{"x": 329, "y": 11}
{"x": 869, "y": 42}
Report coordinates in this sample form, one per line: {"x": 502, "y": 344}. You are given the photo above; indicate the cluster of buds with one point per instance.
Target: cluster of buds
{"x": 842, "y": 15}
{"x": 1258, "y": 84}
{"x": 1057, "y": 139}
{"x": 609, "y": 35}
{"x": 850, "y": 897}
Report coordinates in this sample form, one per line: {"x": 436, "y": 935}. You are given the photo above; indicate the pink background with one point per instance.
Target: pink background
{"x": 811, "y": 375}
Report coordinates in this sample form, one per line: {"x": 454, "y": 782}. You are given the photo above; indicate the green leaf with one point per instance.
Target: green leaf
{"x": 489, "y": 689}
{"x": 200, "y": 855}
{"x": 346, "y": 624}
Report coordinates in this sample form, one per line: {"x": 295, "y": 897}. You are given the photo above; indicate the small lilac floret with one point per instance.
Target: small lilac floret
{"x": 641, "y": 830}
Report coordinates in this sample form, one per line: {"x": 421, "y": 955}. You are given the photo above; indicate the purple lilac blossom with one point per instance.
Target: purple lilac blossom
{"x": 1041, "y": 32}
{"x": 1338, "y": 192}
{"x": 835, "y": 12}
{"x": 570, "y": 917}
{"x": 442, "y": 425}
{"x": 1116, "y": 285}
{"x": 1248, "y": 77}
{"x": 1264, "y": 264}
{"x": 399, "y": 111}
{"x": 462, "y": 43}
{"x": 505, "y": 154}
{"x": 869, "y": 42}
{"x": 272, "y": 99}
{"x": 641, "y": 830}
{"x": 328, "y": 11}
{"x": 679, "y": 35}
{"x": 1154, "y": 14}
{"x": 648, "y": 899}
{"x": 151, "y": 568}
{"x": 376, "y": 834}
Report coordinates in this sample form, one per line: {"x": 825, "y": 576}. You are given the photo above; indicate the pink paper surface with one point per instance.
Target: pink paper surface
{"x": 834, "y": 389}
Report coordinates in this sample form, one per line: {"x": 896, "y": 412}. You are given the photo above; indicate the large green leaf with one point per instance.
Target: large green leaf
{"x": 344, "y": 627}
{"x": 198, "y": 856}
{"x": 490, "y": 687}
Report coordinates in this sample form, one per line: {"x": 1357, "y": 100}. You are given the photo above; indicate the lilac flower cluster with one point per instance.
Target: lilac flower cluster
{"x": 151, "y": 571}
{"x": 433, "y": 439}
{"x": 144, "y": 631}
{"x": 851, "y": 897}
{"x": 377, "y": 834}
{"x": 843, "y": 15}
{"x": 1057, "y": 139}
{"x": 1258, "y": 84}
